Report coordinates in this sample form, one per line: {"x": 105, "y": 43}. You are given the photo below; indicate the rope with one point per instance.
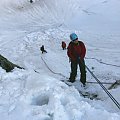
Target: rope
{"x": 112, "y": 98}
{"x": 52, "y": 70}
{"x": 103, "y": 62}
{"x": 101, "y": 82}
{"x": 67, "y": 77}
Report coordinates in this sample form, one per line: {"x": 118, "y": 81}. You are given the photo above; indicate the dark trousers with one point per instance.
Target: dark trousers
{"x": 44, "y": 51}
{"x": 74, "y": 65}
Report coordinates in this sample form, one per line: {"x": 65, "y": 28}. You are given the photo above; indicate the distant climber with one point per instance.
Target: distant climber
{"x": 31, "y": 1}
{"x": 63, "y": 45}
{"x": 42, "y": 49}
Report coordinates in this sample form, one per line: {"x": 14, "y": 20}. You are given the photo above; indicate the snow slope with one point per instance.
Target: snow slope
{"x": 98, "y": 16}
{"x": 29, "y": 95}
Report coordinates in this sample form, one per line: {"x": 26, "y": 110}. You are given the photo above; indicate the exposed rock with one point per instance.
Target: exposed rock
{"x": 7, "y": 65}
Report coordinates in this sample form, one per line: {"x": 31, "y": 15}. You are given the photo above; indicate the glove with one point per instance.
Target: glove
{"x": 78, "y": 59}
{"x": 69, "y": 59}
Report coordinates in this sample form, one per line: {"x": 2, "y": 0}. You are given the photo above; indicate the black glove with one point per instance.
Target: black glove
{"x": 78, "y": 59}
{"x": 69, "y": 60}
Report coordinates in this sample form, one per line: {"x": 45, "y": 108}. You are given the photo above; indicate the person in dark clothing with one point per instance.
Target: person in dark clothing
{"x": 63, "y": 45}
{"x": 31, "y": 1}
{"x": 42, "y": 49}
{"x": 76, "y": 52}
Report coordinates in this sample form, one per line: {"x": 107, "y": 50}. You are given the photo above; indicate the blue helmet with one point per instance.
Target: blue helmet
{"x": 73, "y": 36}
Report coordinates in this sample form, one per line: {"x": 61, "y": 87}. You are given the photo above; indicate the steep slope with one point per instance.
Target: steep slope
{"x": 36, "y": 93}
{"x": 101, "y": 15}
{"x": 36, "y": 15}
{"x": 97, "y": 15}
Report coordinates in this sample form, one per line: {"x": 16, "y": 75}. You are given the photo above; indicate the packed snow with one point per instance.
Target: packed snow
{"x": 37, "y": 92}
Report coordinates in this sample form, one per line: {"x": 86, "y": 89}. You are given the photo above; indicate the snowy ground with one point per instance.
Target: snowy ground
{"x": 29, "y": 95}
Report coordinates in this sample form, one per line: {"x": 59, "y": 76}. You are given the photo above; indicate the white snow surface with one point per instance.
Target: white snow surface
{"x": 24, "y": 27}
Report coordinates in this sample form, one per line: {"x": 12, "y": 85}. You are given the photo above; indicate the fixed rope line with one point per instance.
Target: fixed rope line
{"x": 65, "y": 76}
{"x": 112, "y": 98}
{"x": 101, "y": 82}
{"x": 52, "y": 70}
{"x": 103, "y": 62}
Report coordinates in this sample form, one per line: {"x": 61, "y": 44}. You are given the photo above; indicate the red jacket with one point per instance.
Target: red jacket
{"x": 76, "y": 50}
{"x": 63, "y": 44}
